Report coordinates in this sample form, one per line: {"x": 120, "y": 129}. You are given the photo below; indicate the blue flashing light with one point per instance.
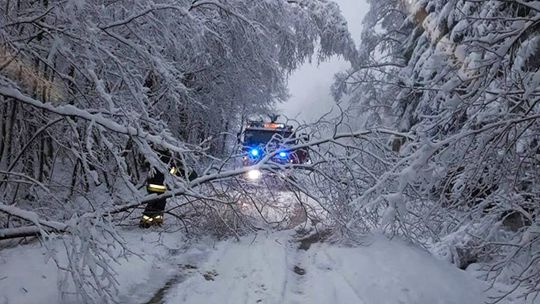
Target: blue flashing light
{"x": 282, "y": 154}
{"x": 254, "y": 152}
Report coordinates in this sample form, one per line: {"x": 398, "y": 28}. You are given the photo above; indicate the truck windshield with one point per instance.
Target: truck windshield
{"x": 262, "y": 137}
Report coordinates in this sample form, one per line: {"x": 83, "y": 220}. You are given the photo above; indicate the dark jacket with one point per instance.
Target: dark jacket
{"x": 156, "y": 179}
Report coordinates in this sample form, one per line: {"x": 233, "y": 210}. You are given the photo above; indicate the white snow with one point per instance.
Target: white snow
{"x": 257, "y": 269}
{"x": 261, "y": 270}
{"x": 28, "y": 276}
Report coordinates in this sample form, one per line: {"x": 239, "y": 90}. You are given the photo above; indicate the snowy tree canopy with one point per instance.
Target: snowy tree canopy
{"x": 87, "y": 86}
{"x": 89, "y": 89}
{"x": 462, "y": 78}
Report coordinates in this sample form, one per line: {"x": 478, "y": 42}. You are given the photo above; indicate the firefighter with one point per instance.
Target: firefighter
{"x": 155, "y": 183}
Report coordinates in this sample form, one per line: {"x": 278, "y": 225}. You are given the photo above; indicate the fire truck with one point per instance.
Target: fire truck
{"x": 260, "y": 138}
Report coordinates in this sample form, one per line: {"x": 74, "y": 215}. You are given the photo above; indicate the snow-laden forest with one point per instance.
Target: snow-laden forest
{"x": 437, "y": 140}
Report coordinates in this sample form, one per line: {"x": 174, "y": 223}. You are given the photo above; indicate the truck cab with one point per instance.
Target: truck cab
{"x": 260, "y": 138}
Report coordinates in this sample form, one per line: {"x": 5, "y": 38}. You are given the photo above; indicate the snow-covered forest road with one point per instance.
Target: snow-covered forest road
{"x": 277, "y": 268}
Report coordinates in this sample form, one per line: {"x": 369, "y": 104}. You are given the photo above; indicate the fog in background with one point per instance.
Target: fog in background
{"x": 309, "y": 86}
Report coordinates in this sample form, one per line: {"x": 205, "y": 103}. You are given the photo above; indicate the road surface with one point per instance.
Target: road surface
{"x": 271, "y": 268}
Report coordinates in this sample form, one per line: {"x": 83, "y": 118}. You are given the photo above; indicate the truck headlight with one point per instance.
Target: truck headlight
{"x": 254, "y": 174}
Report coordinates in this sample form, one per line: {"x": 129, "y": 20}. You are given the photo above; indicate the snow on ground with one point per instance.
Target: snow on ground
{"x": 269, "y": 268}
{"x": 28, "y": 276}
{"x": 264, "y": 268}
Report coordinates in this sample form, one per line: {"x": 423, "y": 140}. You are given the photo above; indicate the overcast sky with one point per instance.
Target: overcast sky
{"x": 309, "y": 86}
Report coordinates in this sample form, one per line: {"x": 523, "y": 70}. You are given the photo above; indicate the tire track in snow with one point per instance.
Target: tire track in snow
{"x": 297, "y": 261}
